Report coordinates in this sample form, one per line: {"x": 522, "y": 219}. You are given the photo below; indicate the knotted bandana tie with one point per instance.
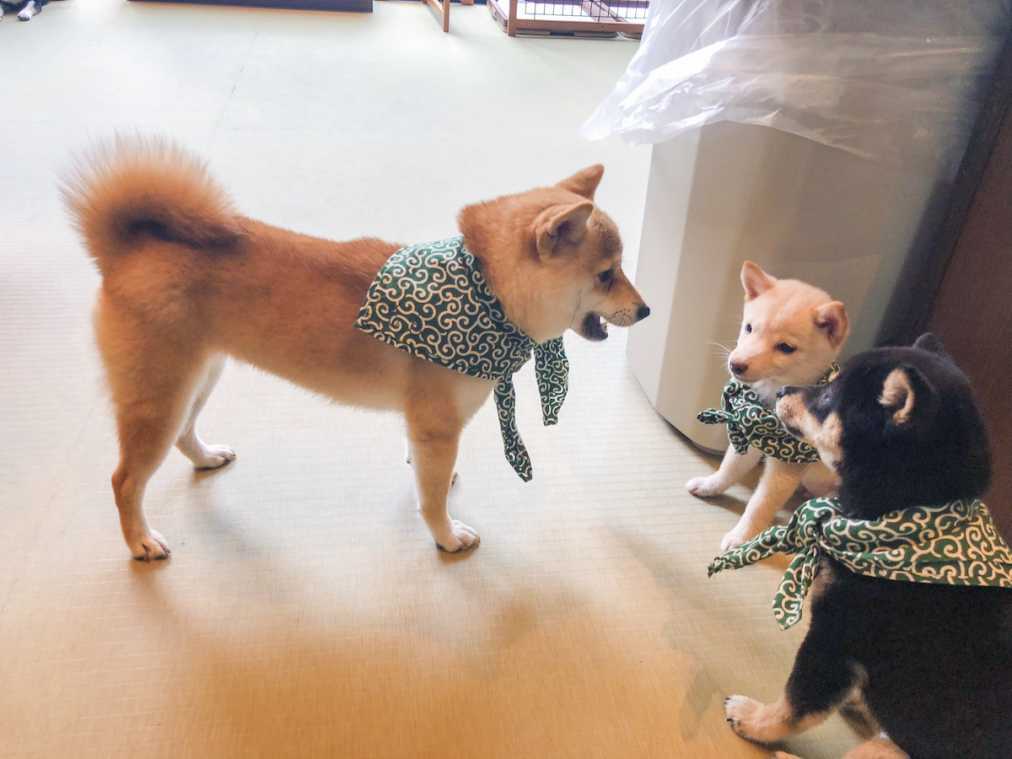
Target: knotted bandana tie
{"x": 953, "y": 544}
{"x": 432, "y": 301}
{"x": 750, "y": 423}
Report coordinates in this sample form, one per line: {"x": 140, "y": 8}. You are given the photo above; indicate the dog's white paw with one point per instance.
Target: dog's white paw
{"x": 705, "y": 486}
{"x": 213, "y": 457}
{"x": 28, "y": 11}
{"x": 150, "y": 546}
{"x": 740, "y": 713}
{"x": 458, "y": 537}
{"x": 736, "y": 536}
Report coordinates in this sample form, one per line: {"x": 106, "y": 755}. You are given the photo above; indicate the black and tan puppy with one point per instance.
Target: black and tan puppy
{"x": 923, "y": 670}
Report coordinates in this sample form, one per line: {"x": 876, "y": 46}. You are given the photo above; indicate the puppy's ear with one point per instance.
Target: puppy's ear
{"x": 832, "y": 319}
{"x": 754, "y": 280}
{"x": 584, "y": 182}
{"x": 931, "y": 343}
{"x": 906, "y": 393}
{"x": 561, "y": 223}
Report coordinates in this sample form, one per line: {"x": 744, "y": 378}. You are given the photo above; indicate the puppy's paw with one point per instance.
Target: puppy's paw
{"x": 213, "y": 457}
{"x": 740, "y": 713}
{"x": 459, "y": 537}
{"x": 740, "y": 533}
{"x": 28, "y": 12}
{"x": 704, "y": 487}
{"x": 150, "y": 546}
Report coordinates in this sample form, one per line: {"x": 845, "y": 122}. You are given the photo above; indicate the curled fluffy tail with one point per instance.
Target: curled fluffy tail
{"x": 135, "y": 187}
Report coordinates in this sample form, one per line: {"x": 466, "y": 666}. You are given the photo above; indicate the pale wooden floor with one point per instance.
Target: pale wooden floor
{"x": 305, "y": 611}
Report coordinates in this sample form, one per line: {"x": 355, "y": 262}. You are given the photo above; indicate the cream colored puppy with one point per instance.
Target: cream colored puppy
{"x": 791, "y": 332}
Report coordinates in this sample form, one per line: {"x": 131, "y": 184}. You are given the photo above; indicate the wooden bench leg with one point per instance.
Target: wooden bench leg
{"x": 442, "y": 10}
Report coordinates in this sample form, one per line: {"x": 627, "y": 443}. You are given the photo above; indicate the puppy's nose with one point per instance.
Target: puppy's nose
{"x": 739, "y": 368}
{"x": 642, "y": 312}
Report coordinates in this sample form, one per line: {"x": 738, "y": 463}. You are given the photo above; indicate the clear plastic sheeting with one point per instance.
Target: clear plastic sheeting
{"x": 894, "y": 80}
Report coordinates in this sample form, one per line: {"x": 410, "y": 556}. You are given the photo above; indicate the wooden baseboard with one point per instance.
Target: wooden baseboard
{"x": 356, "y": 6}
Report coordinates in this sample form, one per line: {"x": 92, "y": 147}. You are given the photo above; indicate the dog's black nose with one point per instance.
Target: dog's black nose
{"x": 738, "y": 368}
{"x": 642, "y": 312}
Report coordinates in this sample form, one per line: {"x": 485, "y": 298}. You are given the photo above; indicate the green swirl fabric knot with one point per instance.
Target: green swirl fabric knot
{"x": 953, "y": 544}
{"x": 432, "y": 301}
{"x": 750, "y": 423}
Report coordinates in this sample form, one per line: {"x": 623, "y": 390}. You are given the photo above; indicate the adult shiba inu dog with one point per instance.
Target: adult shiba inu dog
{"x": 791, "y": 333}
{"x": 922, "y": 668}
{"x": 187, "y": 281}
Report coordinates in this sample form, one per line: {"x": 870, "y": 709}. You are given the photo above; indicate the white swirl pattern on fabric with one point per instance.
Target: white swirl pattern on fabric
{"x": 432, "y": 301}
{"x": 953, "y": 544}
{"x": 750, "y": 423}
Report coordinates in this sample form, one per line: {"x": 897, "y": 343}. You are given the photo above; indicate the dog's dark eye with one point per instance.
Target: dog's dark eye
{"x": 786, "y": 348}
{"x": 606, "y": 276}
{"x": 748, "y": 329}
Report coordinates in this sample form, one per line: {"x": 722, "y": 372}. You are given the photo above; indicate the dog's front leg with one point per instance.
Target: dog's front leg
{"x": 733, "y": 467}
{"x": 820, "y": 681}
{"x": 778, "y": 482}
{"x": 434, "y": 452}
{"x": 819, "y": 480}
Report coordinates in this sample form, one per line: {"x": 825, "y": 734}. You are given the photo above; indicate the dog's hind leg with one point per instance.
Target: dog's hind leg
{"x": 152, "y": 377}
{"x": 147, "y": 424}
{"x": 877, "y": 748}
{"x": 856, "y": 713}
{"x": 202, "y": 455}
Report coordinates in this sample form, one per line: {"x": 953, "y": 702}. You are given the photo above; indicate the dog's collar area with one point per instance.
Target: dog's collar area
{"x": 953, "y": 544}
{"x": 433, "y": 301}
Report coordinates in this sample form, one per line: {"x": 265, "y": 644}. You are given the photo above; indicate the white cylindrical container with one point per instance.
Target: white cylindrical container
{"x": 729, "y": 192}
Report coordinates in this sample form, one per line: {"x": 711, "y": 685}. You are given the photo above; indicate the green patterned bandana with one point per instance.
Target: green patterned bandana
{"x": 432, "y": 301}
{"x": 749, "y": 422}
{"x": 954, "y": 544}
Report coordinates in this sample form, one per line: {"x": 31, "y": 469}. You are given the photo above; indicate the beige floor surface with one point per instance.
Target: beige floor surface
{"x": 305, "y": 611}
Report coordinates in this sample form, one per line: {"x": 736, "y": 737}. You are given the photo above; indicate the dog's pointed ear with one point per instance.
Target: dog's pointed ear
{"x": 931, "y": 343}
{"x": 906, "y": 393}
{"x": 584, "y": 182}
{"x": 754, "y": 280}
{"x": 832, "y": 319}
{"x": 558, "y": 224}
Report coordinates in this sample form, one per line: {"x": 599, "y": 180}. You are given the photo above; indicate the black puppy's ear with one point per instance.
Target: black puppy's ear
{"x": 906, "y": 392}
{"x": 931, "y": 343}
